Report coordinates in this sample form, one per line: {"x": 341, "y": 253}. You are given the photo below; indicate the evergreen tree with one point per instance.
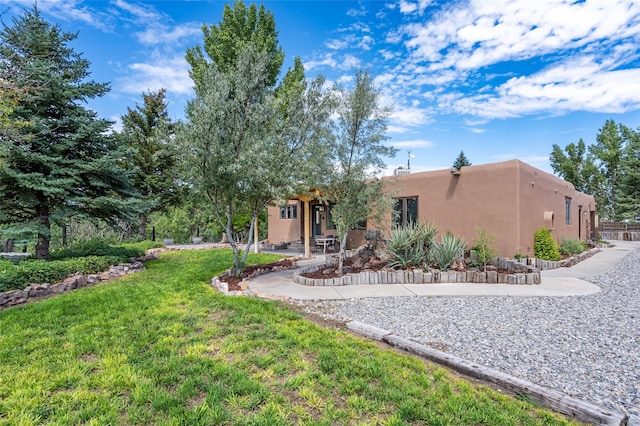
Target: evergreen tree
{"x": 461, "y": 161}
{"x": 60, "y": 163}
{"x": 149, "y": 131}
{"x": 629, "y": 194}
{"x": 607, "y": 153}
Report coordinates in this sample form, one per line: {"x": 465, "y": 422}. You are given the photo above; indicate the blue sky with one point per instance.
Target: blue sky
{"x": 499, "y": 79}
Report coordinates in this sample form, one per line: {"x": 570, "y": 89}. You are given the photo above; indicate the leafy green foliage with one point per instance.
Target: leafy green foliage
{"x": 483, "y": 250}
{"x": 575, "y": 165}
{"x": 445, "y": 251}
{"x": 63, "y": 161}
{"x": 239, "y": 27}
{"x": 544, "y": 246}
{"x": 100, "y": 248}
{"x": 245, "y": 142}
{"x": 40, "y": 271}
{"x": 571, "y": 246}
{"x": 160, "y": 347}
{"x": 358, "y": 149}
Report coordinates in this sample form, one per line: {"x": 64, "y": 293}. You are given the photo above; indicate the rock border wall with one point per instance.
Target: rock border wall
{"x": 34, "y": 291}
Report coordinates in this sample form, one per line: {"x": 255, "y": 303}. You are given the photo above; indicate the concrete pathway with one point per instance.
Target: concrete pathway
{"x": 557, "y": 282}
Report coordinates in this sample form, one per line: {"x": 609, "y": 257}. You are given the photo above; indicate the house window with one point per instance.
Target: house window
{"x": 405, "y": 211}
{"x": 567, "y": 210}
{"x": 289, "y": 212}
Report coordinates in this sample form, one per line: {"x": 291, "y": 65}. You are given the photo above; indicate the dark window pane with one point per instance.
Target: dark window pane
{"x": 412, "y": 210}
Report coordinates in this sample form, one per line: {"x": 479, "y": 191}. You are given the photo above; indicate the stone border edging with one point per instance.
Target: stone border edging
{"x": 552, "y": 398}
{"x": 34, "y": 291}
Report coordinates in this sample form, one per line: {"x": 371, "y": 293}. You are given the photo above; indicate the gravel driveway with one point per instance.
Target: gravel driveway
{"x": 585, "y": 346}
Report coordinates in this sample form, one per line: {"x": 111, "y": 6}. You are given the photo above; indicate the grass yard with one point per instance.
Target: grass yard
{"x": 162, "y": 347}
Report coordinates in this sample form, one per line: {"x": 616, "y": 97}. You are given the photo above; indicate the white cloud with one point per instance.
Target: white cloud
{"x": 171, "y": 73}
{"x": 160, "y": 34}
{"x": 357, "y": 12}
{"x": 326, "y": 60}
{"x": 416, "y": 143}
{"x": 139, "y": 10}
{"x": 68, "y": 10}
{"x": 365, "y": 42}
{"x": 480, "y": 33}
{"x": 349, "y": 62}
{"x": 580, "y": 84}
{"x": 410, "y": 115}
{"x": 408, "y": 7}
{"x": 335, "y": 44}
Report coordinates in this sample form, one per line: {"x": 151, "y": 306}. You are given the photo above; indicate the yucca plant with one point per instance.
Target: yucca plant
{"x": 408, "y": 246}
{"x": 443, "y": 253}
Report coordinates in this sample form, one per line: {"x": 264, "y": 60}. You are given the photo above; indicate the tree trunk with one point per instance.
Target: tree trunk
{"x": 142, "y": 226}
{"x": 343, "y": 244}
{"x": 44, "y": 234}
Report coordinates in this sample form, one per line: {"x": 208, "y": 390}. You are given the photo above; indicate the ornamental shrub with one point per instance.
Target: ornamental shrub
{"x": 571, "y": 246}
{"x": 483, "y": 250}
{"x": 544, "y": 246}
{"x": 100, "y": 248}
{"x": 17, "y": 277}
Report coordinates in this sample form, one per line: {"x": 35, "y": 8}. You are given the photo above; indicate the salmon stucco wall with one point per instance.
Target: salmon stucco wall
{"x": 284, "y": 230}
{"x": 510, "y": 200}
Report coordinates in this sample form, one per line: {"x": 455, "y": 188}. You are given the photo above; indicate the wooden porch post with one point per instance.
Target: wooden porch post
{"x": 307, "y": 224}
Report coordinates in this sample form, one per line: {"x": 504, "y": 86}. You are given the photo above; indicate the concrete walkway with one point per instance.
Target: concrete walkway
{"x": 557, "y": 282}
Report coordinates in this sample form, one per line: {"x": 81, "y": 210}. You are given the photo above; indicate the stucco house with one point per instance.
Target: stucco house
{"x": 510, "y": 199}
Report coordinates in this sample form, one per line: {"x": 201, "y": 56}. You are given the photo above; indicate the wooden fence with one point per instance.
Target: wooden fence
{"x": 623, "y": 231}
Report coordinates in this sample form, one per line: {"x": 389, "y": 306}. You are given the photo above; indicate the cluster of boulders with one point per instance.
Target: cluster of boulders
{"x": 17, "y": 297}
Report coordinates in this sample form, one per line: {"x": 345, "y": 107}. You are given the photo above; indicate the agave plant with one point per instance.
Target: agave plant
{"x": 405, "y": 248}
{"x": 443, "y": 253}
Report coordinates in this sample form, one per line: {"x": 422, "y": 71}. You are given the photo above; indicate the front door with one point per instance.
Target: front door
{"x": 316, "y": 220}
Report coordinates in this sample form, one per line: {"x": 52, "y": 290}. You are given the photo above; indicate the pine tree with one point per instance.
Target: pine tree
{"x": 629, "y": 194}
{"x": 461, "y": 161}
{"x": 149, "y": 131}
{"x": 60, "y": 163}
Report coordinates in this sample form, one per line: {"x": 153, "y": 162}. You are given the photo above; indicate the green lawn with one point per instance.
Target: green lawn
{"x": 162, "y": 347}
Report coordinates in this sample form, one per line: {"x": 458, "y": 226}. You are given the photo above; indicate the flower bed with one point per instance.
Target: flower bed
{"x": 417, "y": 276}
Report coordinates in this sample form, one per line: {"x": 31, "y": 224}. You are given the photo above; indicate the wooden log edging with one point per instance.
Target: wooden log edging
{"x": 551, "y": 398}
{"x": 416, "y": 276}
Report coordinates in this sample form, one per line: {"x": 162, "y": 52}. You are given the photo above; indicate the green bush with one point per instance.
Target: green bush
{"x": 544, "y": 246}
{"x": 443, "y": 253}
{"x": 101, "y": 248}
{"x": 483, "y": 251}
{"x": 17, "y": 277}
{"x": 571, "y": 246}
